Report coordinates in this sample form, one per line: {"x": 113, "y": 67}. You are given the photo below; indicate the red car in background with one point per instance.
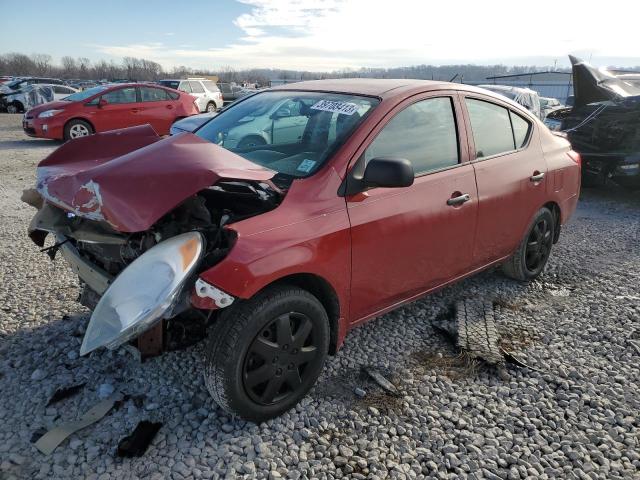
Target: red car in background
{"x": 109, "y": 107}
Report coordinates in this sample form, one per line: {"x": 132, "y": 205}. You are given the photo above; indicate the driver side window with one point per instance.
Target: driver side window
{"x": 424, "y": 133}
{"x": 122, "y": 95}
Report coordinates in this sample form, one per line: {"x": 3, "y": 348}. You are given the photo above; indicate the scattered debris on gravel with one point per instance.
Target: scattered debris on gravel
{"x": 575, "y": 418}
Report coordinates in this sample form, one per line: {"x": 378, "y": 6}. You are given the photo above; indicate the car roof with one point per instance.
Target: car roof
{"x": 383, "y": 88}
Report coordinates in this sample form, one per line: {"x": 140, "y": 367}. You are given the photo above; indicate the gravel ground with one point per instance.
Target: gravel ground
{"x": 575, "y": 418}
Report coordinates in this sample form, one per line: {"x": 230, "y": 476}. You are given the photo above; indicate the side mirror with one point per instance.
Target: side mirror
{"x": 385, "y": 172}
{"x": 102, "y": 102}
{"x": 388, "y": 173}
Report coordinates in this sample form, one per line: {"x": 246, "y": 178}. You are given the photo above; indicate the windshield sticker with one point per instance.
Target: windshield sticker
{"x": 306, "y": 165}
{"x": 335, "y": 107}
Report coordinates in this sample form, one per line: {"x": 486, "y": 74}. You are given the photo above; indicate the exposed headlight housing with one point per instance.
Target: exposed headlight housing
{"x": 48, "y": 113}
{"x": 144, "y": 293}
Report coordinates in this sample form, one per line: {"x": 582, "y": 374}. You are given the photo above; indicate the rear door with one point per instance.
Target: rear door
{"x": 510, "y": 171}
{"x": 122, "y": 110}
{"x": 406, "y": 241}
{"x": 159, "y": 110}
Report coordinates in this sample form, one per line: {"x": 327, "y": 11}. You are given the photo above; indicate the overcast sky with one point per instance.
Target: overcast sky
{"x": 326, "y": 35}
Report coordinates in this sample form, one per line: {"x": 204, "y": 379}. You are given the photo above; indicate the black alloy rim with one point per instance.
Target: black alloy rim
{"x": 538, "y": 245}
{"x": 278, "y": 360}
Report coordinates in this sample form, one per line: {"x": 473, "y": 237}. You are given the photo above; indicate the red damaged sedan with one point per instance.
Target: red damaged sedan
{"x": 109, "y": 107}
{"x": 353, "y": 198}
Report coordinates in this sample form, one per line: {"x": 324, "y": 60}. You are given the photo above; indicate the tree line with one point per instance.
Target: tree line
{"x": 19, "y": 64}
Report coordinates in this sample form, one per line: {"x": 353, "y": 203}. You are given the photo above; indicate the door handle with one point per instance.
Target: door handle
{"x": 170, "y": 107}
{"x": 536, "y": 177}
{"x": 135, "y": 110}
{"x": 459, "y": 200}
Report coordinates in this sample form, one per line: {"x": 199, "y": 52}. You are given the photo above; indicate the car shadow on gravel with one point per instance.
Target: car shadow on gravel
{"x": 28, "y": 144}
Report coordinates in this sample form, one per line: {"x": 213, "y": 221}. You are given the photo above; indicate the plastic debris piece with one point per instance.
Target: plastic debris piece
{"x": 54, "y": 437}
{"x": 38, "y": 434}
{"x": 360, "y": 392}
{"x": 136, "y": 444}
{"x": 65, "y": 392}
{"x": 510, "y": 358}
{"x": 382, "y": 381}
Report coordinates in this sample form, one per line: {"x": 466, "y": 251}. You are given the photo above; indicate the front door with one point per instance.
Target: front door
{"x": 406, "y": 241}
{"x": 121, "y": 110}
{"x": 510, "y": 171}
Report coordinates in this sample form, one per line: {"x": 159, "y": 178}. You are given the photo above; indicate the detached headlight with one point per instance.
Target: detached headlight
{"x": 143, "y": 293}
{"x": 48, "y": 113}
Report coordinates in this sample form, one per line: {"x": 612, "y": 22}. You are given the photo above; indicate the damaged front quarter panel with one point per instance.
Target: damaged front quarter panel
{"x": 137, "y": 218}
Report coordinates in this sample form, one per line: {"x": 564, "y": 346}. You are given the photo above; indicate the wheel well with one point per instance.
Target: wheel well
{"x": 324, "y": 292}
{"x": 555, "y": 211}
{"x": 79, "y": 118}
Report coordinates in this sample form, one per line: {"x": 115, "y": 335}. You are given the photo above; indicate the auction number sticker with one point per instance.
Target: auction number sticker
{"x": 306, "y": 165}
{"x": 335, "y": 107}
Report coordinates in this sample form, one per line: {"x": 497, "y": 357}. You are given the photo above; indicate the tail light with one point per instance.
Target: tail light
{"x": 575, "y": 156}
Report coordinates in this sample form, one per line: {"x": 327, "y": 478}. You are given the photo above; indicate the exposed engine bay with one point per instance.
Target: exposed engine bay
{"x": 109, "y": 252}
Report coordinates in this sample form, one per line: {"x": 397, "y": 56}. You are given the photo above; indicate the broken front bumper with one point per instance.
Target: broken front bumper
{"x": 96, "y": 278}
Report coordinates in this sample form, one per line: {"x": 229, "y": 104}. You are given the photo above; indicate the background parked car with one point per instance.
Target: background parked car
{"x": 35, "y": 94}
{"x": 206, "y": 92}
{"x": 109, "y": 107}
{"x": 192, "y": 123}
{"x": 548, "y": 105}
{"x": 526, "y": 97}
{"x": 231, "y": 93}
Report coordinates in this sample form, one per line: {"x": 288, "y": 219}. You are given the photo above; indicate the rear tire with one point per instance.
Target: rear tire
{"x": 264, "y": 354}
{"x": 252, "y": 141}
{"x": 77, "y": 128}
{"x": 529, "y": 260}
{"x": 211, "y": 107}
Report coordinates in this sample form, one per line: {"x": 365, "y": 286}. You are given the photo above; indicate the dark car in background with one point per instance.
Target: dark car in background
{"x": 231, "y": 92}
{"x": 109, "y": 107}
{"x": 603, "y": 124}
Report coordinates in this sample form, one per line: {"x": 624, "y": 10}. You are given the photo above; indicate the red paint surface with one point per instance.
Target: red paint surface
{"x": 137, "y": 188}
{"x": 160, "y": 114}
{"x": 377, "y": 249}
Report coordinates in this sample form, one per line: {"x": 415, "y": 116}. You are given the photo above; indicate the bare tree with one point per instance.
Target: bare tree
{"x": 42, "y": 63}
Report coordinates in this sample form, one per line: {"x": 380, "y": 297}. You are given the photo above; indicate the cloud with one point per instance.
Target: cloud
{"x": 337, "y": 34}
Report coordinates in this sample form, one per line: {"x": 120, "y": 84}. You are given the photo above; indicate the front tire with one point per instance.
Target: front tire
{"x": 77, "y": 128}
{"x": 211, "y": 107}
{"x": 264, "y": 354}
{"x": 528, "y": 262}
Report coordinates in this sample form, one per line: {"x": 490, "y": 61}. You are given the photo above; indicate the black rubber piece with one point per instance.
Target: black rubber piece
{"x": 136, "y": 444}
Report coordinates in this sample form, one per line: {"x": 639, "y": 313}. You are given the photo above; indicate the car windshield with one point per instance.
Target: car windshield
{"x": 170, "y": 83}
{"x": 290, "y": 132}
{"x": 90, "y": 92}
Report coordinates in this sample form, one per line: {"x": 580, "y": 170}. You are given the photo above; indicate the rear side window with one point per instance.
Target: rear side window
{"x": 196, "y": 87}
{"x": 173, "y": 95}
{"x": 122, "y": 95}
{"x": 423, "y": 133}
{"x": 150, "y": 94}
{"x": 211, "y": 86}
{"x": 521, "y": 128}
{"x": 491, "y": 127}
{"x": 185, "y": 87}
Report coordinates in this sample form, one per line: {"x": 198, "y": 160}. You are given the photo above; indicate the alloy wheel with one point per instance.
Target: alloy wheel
{"x": 538, "y": 245}
{"x": 277, "y": 359}
{"x": 78, "y": 130}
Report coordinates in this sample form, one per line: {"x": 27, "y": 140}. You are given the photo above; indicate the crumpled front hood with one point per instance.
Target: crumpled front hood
{"x": 130, "y": 178}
